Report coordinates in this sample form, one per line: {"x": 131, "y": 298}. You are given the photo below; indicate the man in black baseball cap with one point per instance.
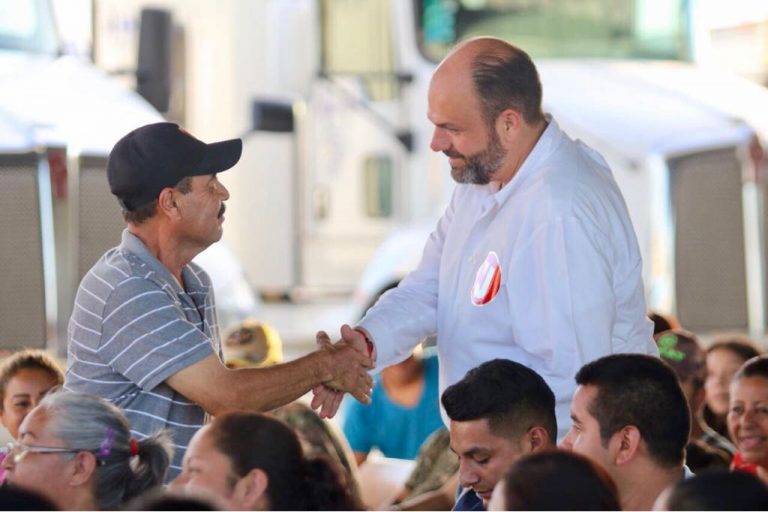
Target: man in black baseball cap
{"x": 144, "y": 332}
{"x": 160, "y": 155}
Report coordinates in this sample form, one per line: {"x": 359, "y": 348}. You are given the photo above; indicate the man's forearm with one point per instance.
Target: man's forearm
{"x": 264, "y": 389}
{"x": 340, "y": 367}
{"x": 218, "y": 389}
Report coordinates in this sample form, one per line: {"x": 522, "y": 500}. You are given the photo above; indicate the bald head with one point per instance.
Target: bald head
{"x": 500, "y": 75}
{"x": 482, "y": 45}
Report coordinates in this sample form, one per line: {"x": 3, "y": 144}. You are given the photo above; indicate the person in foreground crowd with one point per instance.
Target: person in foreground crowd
{"x": 14, "y": 498}
{"x": 499, "y": 412}
{"x": 662, "y": 322}
{"x": 250, "y": 461}
{"x": 748, "y": 417}
{"x": 25, "y": 378}
{"x": 160, "y": 499}
{"x": 434, "y": 479}
{"x": 404, "y": 409}
{"x": 715, "y": 490}
{"x": 255, "y": 344}
{"x": 76, "y": 450}
{"x": 555, "y": 480}
{"x": 534, "y": 260}
{"x": 724, "y": 357}
{"x": 631, "y": 417}
{"x": 681, "y": 350}
{"x": 144, "y": 333}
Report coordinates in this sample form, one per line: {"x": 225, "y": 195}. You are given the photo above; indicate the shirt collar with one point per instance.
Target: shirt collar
{"x": 134, "y": 245}
{"x": 549, "y": 141}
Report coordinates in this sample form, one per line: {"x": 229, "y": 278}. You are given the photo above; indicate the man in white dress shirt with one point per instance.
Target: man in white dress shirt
{"x": 535, "y": 259}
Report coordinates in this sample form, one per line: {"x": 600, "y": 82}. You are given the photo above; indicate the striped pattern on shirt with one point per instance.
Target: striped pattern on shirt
{"x": 132, "y": 327}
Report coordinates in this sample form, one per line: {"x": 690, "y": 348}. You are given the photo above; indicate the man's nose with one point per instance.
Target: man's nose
{"x": 467, "y": 476}
{"x": 440, "y": 141}
{"x": 224, "y": 192}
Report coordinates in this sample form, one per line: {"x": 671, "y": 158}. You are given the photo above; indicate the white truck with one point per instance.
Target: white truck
{"x": 337, "y": 176}
{"x": 59, "y": 116}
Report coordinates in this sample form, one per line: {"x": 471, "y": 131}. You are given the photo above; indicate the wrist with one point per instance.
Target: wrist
{"x": 368, "y": 342}
{"x": 324, "y": 366}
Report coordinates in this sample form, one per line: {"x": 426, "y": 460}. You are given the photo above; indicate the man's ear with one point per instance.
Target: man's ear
{"x": 537, "y": 439}
{"x": 82, "y": 468}
{"x": 250, "y": 492}
{"x": 166, "y": 202}
{"x": 624, "y": 444}
{"x": 508, "y": 124}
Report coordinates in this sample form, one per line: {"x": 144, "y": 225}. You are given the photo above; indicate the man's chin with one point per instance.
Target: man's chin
{"x": 466, "y": 176}
{"x": 458, "y": 174}
{"x": 463, "y": 175}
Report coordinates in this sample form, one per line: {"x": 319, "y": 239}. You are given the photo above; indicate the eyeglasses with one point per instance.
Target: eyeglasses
{"x": 17, "y": 451}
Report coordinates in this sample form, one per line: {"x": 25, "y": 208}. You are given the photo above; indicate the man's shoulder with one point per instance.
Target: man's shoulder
{"x": 569, "y": 161}
{"x": 115, "y": 266}
{"x": 119, "y": 275}
{"x": 577, "y": 182}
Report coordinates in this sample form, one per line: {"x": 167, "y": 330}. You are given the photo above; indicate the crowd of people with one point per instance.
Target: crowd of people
{"x": 638, "y": 441}
{"x": 553, "y": 389}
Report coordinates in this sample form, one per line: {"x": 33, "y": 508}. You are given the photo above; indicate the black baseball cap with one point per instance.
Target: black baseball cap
{"x": 160, "y": 155}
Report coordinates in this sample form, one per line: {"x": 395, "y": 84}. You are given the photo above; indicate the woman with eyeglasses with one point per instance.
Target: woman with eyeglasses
{"x": 77, "y": 451}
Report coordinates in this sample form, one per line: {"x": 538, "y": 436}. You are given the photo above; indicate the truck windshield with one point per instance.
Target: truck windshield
{"x": 27, "y": 26}
{"x": 617, "y": 29}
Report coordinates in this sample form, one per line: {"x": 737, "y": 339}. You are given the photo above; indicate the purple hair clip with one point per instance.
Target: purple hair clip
{"x": 105, "y": 448}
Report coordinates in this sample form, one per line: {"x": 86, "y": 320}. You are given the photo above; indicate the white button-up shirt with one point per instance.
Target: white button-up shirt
{"x": 570, "y": 288}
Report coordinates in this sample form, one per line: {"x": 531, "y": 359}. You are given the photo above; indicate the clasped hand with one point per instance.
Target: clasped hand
{"x": 351, "y": 375}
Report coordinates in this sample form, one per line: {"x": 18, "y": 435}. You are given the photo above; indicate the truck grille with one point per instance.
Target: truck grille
{"x": 99, "y": 214}
{"x": 22, "y": 301}
{"x": 706, "y": 194}
{"x": 98, "y": 227}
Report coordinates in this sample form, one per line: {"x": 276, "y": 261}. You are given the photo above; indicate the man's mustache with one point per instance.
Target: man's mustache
{"x": 222, "y": 209}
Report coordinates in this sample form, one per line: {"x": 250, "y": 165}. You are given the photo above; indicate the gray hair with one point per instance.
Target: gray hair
{"x": 88, "y": 423}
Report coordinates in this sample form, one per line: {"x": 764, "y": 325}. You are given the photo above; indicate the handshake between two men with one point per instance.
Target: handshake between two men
{"x": 328, "y": 395}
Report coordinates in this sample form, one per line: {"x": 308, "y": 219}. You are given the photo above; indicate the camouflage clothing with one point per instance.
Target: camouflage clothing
{"x": 435, "y": 464}
{"x": 318, "y": 438}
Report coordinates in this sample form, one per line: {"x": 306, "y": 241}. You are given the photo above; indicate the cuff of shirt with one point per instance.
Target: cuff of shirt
{"x": 369, "y": 342}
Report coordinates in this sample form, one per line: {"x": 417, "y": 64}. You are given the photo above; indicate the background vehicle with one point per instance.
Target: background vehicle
{"x": 683, "y": 142}
{"x": 340, "y": 160}
{"x": 337, "y": 180}
{"x": 59, "y": 116}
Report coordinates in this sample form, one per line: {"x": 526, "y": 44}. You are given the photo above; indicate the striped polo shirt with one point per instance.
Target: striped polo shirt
{"x": 132, "y": 327}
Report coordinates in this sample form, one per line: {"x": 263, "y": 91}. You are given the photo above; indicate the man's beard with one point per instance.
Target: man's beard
{"x": 478, "y": 169}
